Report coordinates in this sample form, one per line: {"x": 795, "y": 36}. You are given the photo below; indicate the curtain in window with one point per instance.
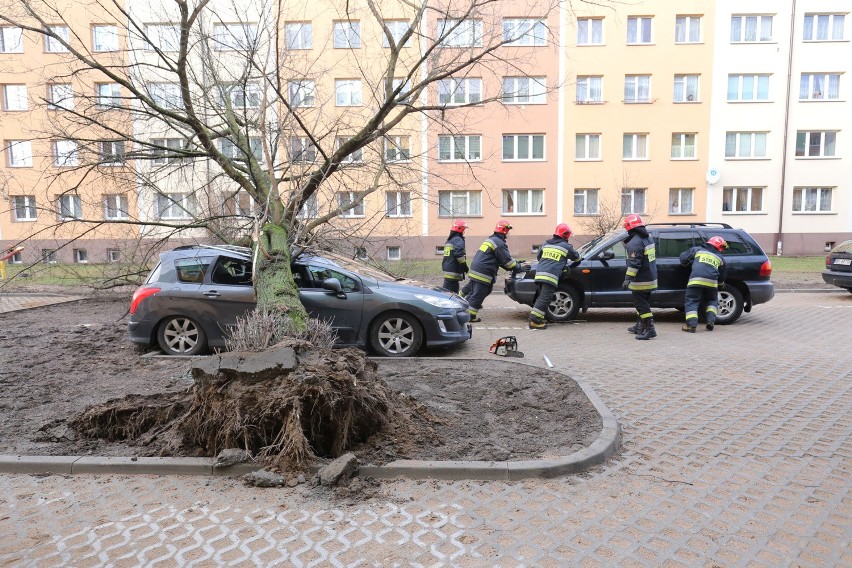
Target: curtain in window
{"x": 474, "y": 150}
{"x": 809, "y": 28}
{"x": 594, "y": 146}
{"x": 685, "y": 201}
{"x": 837, "y": 28}
{"x": 537, "y": 201}
{"x": 751, "y": 28}
{"x": 733, "y": 87}
{"x": 760, "y": 145}
{"x": 579, "y": 202}
{"x": 822, "y": 26}
{"x": 524, "y": 148}
{"x": 762, "y": 87}
{"x": 730, "y": 144}
{"x": 508, "y": 147}
{"x": 804, "y": 86}
{"x": 694, "y": 29}
{"x": 538, "y": 147}
{"x": 756, "y": 199}
{"x": 595, "y": 88}
{"x": 736, "y": 28}
{"x": 834, "y": 87}
{"x": 825, "y": 199}
{"x": 644, "y": 88}
{"x": 742, "y": 199}
{"x": 766, "y": 28}
{"x": 830, "y": 141}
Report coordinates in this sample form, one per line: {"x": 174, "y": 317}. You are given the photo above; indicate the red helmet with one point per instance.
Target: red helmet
{"x": 718, "y": 243}
{"x": 562, "y": 230}
{"x": 632, "y": 221}
{"x": 502, "y": 227}
{"x": 459, "y": 225}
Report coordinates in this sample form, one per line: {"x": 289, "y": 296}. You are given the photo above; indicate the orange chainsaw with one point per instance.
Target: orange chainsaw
{"x": 506, "y": 347}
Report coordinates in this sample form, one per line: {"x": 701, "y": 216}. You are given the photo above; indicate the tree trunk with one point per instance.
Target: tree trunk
{"x": 274, "y": 284}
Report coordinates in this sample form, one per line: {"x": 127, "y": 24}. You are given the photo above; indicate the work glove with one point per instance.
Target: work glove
{"x": 626, "y": 284}
{"x": 525, "y": 266}
{"x": 465, "y": 269}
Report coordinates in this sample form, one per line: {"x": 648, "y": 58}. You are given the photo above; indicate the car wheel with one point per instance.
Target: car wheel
{"x": 180, "y": 335}
{"x": 730, "y": 305}
{"x": 564, "y": 305}
{"x": 396, "y": 334}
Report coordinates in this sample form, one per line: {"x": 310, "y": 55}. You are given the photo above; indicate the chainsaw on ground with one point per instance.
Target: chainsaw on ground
{"x": 506, "y": 347}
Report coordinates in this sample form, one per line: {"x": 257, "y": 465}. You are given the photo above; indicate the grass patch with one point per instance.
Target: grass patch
{"x": 91, "y": 275}
{"x": 797, "y": 263}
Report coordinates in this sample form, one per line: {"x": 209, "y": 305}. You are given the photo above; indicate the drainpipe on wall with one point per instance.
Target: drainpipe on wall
{"x": 779, "y": 248}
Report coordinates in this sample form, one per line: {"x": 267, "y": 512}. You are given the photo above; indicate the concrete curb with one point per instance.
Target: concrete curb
{"x": 599, "y": 451}
{"x": 809, "y": 290}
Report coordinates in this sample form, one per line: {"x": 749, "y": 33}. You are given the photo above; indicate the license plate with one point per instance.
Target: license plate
{"x": 846, "y": 261}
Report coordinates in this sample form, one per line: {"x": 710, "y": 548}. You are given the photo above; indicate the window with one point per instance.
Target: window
{"x": 398, "y": 204}
{"x": 586, "y": 201}
{"x": 298, "y": 35}
{"x": 52, "y": 43}
{"x": 346, "y": 199}
{"x": 683, "y": 146}
{"x": 105, "y": 38}
{"x": 302, "y": 150}
{"x": 347, "y": 35}
{"x": 397, "y": 29}
{"x": 174, "y": 206}
{"x": 234, "y": 152}
{"x": 166, "y": 95}
{"x": 748, "y": 87}
{"x": 460, "y": 33}
{"x": 394, "y": 253}
{"x": 523, "y": 201}
{"x": 742, "y": 199}
{"x": 812, "y": 199}
{"x": 231, "y": 272}
{"x": 589, "y": 31}
{"x": 632, "y": 200}
{"x": 192, "y": 270}
{"x": 818, "y": 144}
{"x": 687, "y": 29}
{"x": 15, "y": 97}
{"x": 302, "y": 93}
{"x": 168, "y": 150}
{"x": 113, "y": 255}
{"x": 61, "y": 96}
{"x": 10, "y": 40}
{"x": 823, "y": 27}
{"x": 672, "y": 244}
{"x": 751, "y": 28}
{"x": 635, "y": 147}
{"x": 238, "y": 95}
{"x": 459, "y": 91}
{"x": 589, "y": 89}
{"x": 745, "y": 144}
{"x": 588, "y": 147}
{"x": 111, "y": 152}
{"x": 638, "y": 30}
{"x": 524, "y": 90}
{"x": 162, "y": 37}
{"x": 402, "y": 88}
{"x": 115, "y": 206}
{"x": 686, "y": 88}
{"x": 234, "y": 37}
{"x": 48, "y": 256}
{"x": 238, "y": 203}
{"x": 523, "y": 147}
{"x": 818, "y": 87}
{"x": 347, "y": 92}
{"x": 524, "y": 32}
{"x": 459, "y": 203}
{"x": 25, "y": 207}
{"x": 108, "y": 95}
{"x": 459, "y": 148}
{"x": 397, "y": 148}
{"x": 439, "y": 250}
{"x": 637, "y": 88}
{"x": 353, "y": 157}
{"x": 309, "y": 209}
{"x": 65, "y": 153}
{"x": 68, "y": 207}
{"x": 680, "y": 200}
{"x": 81, "y": 256}
{"x": 19, "y": 153}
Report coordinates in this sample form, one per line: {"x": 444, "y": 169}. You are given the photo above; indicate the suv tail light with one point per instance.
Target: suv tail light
{"x": 828, "y": 261}
{"x": 766, "y": 268}
{"x": 140, "y": 295}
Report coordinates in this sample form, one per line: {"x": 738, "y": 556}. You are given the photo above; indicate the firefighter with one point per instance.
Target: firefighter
{"x": 708, "y": 274}
{"x": 454, "y": 264}
{"x": 491, "y": 256}
{"x": 641, "y": 275}
{"x": 553, "y": 256}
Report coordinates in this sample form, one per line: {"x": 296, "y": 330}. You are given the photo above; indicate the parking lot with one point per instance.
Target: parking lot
{"x": 736, "y": 451}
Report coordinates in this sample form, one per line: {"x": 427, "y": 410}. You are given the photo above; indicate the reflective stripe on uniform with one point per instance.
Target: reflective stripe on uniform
{"x": 691, "y": 315}
{"x": 651, "y": 285}
{"x": 712, "y": 309}
{"x": 546, "y": 277}
{"x": 645, "y": 316}
{"x": 537, "y": 313}
{"x": 453, "y": 276}
{"x": 486, "y": 246}
{"x": 631, "y": 272}
{"x": 480, "y": 277}
{"x": 705, "y": 282}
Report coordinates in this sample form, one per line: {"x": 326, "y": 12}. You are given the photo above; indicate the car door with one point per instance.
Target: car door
{"x": 184, "y": 295}
{"x": 602, "y": 273}
{"x": 343, "y": 313}
{"x": 672, "y": 276}
{"x": 229, "y": 291}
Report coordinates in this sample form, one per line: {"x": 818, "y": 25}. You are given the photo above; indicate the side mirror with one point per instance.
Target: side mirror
{"x": 333, "y": 285}
{"x": 608, "y": 254}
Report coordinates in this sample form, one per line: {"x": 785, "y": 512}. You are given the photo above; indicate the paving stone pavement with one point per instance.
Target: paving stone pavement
{"x": 10, "y": 302}
{"x": 736, "y": 452}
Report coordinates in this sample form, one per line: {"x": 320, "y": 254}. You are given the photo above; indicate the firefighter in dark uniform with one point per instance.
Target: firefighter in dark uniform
{"x": 641, "y": 275}
{"x": 553, "y": 256}
{"x": 491, "y": 256}
{"x": 454, "y": 264}
{"x": 708, "y": 270}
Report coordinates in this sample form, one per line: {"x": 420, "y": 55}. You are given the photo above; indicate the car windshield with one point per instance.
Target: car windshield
{"x": 358, "y": 266}
{"x": 608, "y": 238}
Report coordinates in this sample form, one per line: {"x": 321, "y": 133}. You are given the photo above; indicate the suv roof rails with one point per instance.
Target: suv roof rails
{"x": 234, "y": 249}
{"x": 720, "y": 225}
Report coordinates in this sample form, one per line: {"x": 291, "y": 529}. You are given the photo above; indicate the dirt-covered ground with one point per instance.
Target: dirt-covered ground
{"x": 59, "y": 360}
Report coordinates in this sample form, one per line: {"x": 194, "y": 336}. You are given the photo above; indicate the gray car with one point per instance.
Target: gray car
{"x": 195, "y": 294}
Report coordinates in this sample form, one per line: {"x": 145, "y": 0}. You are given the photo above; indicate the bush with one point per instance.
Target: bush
{"x": 263, "y": 328}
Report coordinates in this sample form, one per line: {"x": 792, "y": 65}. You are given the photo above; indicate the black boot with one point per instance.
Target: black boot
{"x": 648, "y": 332}
{"x": 638, "y": 327}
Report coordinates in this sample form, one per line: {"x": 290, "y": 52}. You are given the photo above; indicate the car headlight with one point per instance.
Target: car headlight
{"x": 439, "y": 301}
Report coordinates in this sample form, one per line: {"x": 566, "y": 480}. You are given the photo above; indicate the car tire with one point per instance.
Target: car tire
{"x": 396, "y": 334}
{"x": 730, "y": 305}
{"x": 180, "y": 335}
{"x": 564, "y": 305}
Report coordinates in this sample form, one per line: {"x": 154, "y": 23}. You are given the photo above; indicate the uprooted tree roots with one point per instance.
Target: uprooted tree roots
{"x": 286, "y": 405}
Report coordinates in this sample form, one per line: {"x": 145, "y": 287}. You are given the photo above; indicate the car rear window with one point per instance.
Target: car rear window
{"x": 672, "y": 243}
{"x": 192, "y": 270}
{"x": 845, "y": 246}
{"x": 737, "y": 245}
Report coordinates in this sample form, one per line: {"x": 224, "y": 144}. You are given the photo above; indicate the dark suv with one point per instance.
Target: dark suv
{"x": 595, "y": 280}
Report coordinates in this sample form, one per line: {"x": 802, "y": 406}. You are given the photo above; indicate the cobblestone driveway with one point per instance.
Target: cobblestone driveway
{"x": 736, "y": 452}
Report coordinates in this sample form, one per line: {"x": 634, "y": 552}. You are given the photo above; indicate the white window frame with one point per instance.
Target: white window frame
{"x": 113, "y": 255}
{"x": 676, "y": 200}
{"x": 821, "y": 199}
{"x": 11, "y": 39}
{"x": 355, "y": 157}
{"x": 51, "y": 45}
{"x": 234, "y": 36}
{"x": 298, "y": 35}
{"x": 346, "y": 34}
{"x": 398, "y": 204}
{"x": 349, "y": 197}
{"x": 48, "y": 256}
{"x": 65, "y": 153}
{"x": 166, "y": 95}
{"x": 232, "y": 151}
{"x": 589, "y": 201}
{"x": 814, "y": 31}
{"x": 107, "y": 150}
{"x": 81, "y": 256}
{"x": 452, "y": 92}
{"x": 459, "y": 203}
{"x": 302, "y": 92}
{"x": 524, "y": 90}
{"x": 116, "y": 206}
{"x": 826, "y": 140}
{"x": 745, "y": 145}
{"x": 687, "y": 29}
{"x": 637, "y": 89}
{"x": 174, "y": 206}
{"x": 19, "y": 153}
{"x": 15, "y": 98}
{"x": 751, "y": 28}
{"x": 638, "y": 27}
{"x": 309, "y": 209}
{"x": 684, "y": 144}
{"x": 69, "y": 207}
{"x": 743, "y": 80}
{"x": 749, "y": 192}
{"x": 519, "y": 140}
{"x": 347, "y": 92}
{"x": 104, "y": 38}
{"x": 397, "y": 148}
{"x": 634, "y": 200}
{"x": 24, "y": 207}
{"x": 637, "y": 141}
{"x": 460, "y": 148}
{"x": 589, "y": 89}
{"x": 162, "y": 38}
{"x": 515, "y": 197}
{"x": 397, "y": 29}
{"x": 304, "y": 153}
{"x": 60, "y": 96}
{"x": 164, "y": 153}
{"x": 590, "y": 31}
{"x": 459, "y": 33}
{"x": 819, "y": 87}
{"x": 110, "y": 99}
{"x": 394, "y": 252}
{"x": 524, "y": 32}
{"x": 587, "y": 147}
{"x": 686, "y": 88}
{"x": 240, "y": 95}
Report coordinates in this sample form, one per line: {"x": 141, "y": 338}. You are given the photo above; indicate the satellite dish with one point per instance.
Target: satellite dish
{"x": 712, "y": 176}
